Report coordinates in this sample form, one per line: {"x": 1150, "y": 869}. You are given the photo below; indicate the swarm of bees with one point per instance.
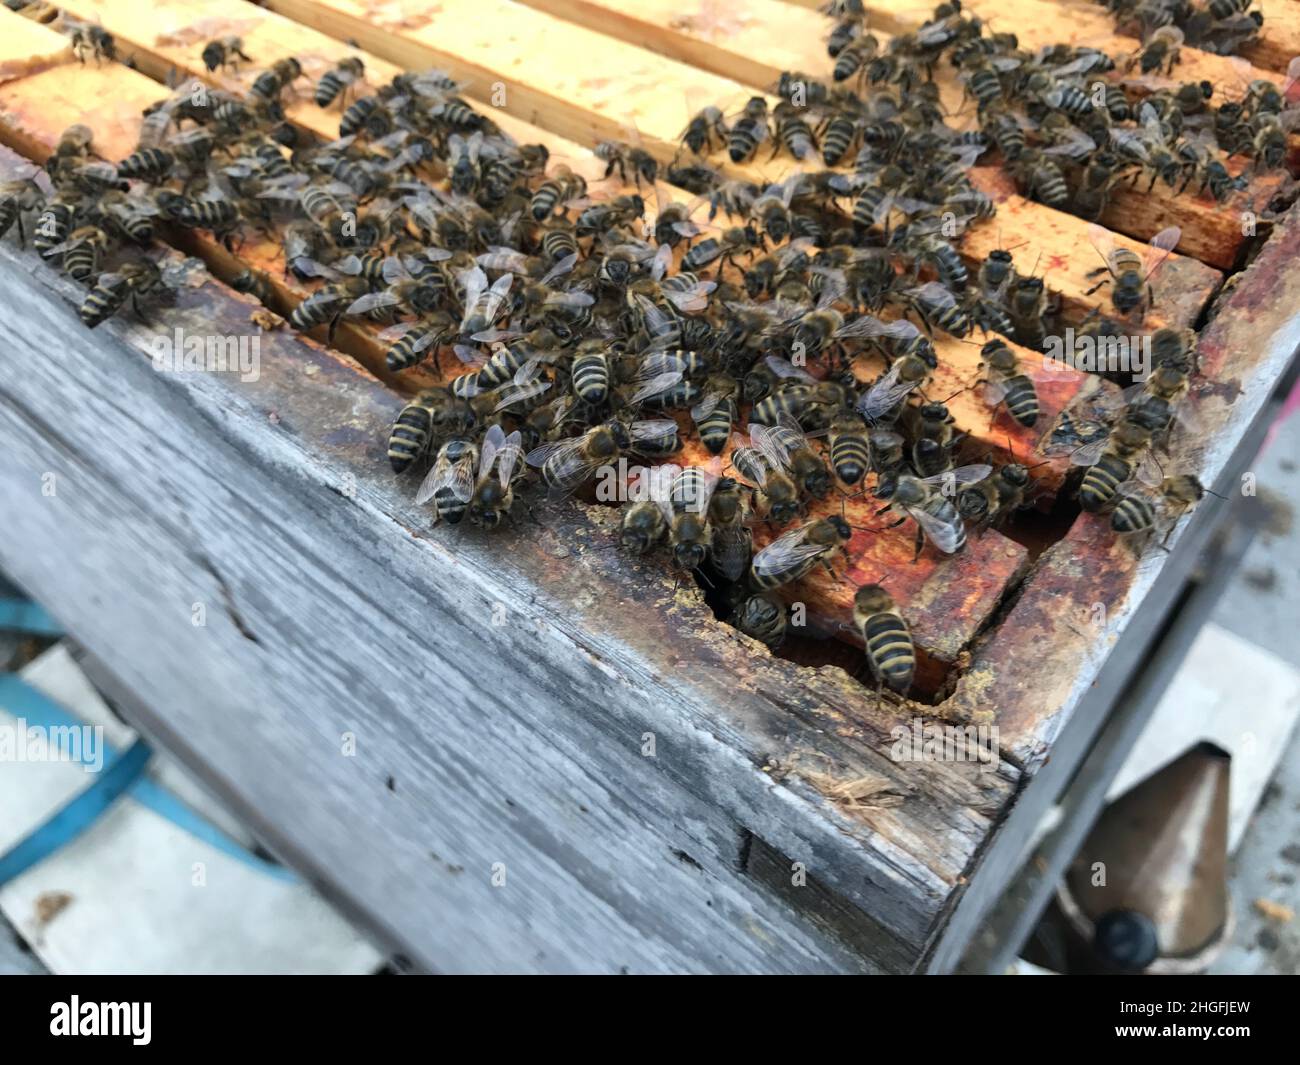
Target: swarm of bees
{"x": 596, "y": 332}
{"x": 1223, "y": 27}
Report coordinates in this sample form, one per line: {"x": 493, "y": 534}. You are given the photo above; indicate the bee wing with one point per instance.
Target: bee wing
{"x": 1103, "y": 240}
{"x": 1162, "y": 244}
{"x": 771, "y": 446}
{"x": 654, "y": 429}
{"x": 469, "y": 356}
{"x": 1089, "y": 453}
{"x": 497, "y": 295}
{"x": 707, "y": 406}
{"x": 784, "y": 368}
{"x": 428, "y": 338}
{"x": 394, "y": 270}
{"x": 1149, "y": 471}
{"x": 868, "y": 326}
{"x": 492, "y": 442}
{"x": 569, "y": 299}
{"x": 662, "y": 262}
{"x": 661, "y": 327}
{"x": 786, "y": 552}
{"x": 790, "y": 432}
{"x": 372, "y": 300}
{"x": 511, "y": 452}
{"x": 884, "y": 395}
{"x": 1292, "y": 76}
{"x": 693, "y": 299}
{"x": 994, "y": 392}
{"x": 458, "y": 476}
{"x": 656, "y": 386}
{"x": 1074, "y": 143}
{"x": 933, "y": 293}
{"x": 568, "y": 463}
{"x": 493, "y": 336}
{"x": 473, "y": 283}
{"x": 306, "y": 265}
{"x": 560, "y": 268}
{"x": 947, "y": 538}
{"x": 395, "y": 332}
{"x": 749, "y": 457}
{"x": 972, "y": 474}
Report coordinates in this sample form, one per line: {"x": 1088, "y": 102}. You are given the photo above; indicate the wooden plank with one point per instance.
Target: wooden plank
{"x": 898, "y": 862}
{"x": 38, "y": 110}
{"x": 1039, "y": 23}
{"x": 755, "y": 41}
{"x": 1279, "y": 41}
{"x": 30, "y": 47}
{"x": 522, "y": 60}
{"x": 1242, "y": 353}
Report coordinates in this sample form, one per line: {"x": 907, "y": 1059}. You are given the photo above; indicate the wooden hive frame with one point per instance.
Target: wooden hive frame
{"x": 665, "y": 861}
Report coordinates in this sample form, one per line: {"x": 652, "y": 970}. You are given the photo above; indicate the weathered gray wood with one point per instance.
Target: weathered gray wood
{"x": 332, "y": 611}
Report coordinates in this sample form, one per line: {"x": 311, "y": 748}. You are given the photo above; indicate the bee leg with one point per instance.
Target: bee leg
{"x": 22, "y": 239}
{"x": 1098, "y": 285}
{"x": 920, "y": 544}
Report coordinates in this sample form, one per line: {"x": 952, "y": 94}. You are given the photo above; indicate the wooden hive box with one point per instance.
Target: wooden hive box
{"x": 528, "y": 752}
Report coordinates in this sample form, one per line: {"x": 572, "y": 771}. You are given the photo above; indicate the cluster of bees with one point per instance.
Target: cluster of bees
{"x": 594, "y": 335}
{"x": 1222, "y": 27}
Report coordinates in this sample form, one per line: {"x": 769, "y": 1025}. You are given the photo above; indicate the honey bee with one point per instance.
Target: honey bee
{"x": 329, "y": 303}
{"x": 1128, "y": 274}
{"x": 1008, "y": 386}
{"x": 450, "y": 483}
{"x": 1161, "y": 49}
{"x": 761, "y": 460}
{"x": 1028, "y": 306}
{"x": 646, "y": 519}
{"x": 334, "y": 83}
{"x": 717, "y": 412}
{"x": 92, "y": 41}
{"x": 850, "y": 447}
{"x": 1112, "y": 461}
{"x": 891, "y": 654}
{"x": 136, "y": 281}
{"x": 568, "y": 464}
{"x": 997, "y": 496}
{"x": 733, "y": 541}
{"x": 223, "y": 52}
{"x": 706, "y": 132}
{"x": 879, "y": 404}
{"x": 82, "y": 251}
{"x": 493, "y": 494}
{"x": 761, "y": 617}
{"x": 19, "y": 197}
{"x": 806, "y": 466}
{"x": 929, "y": 503}
{"x": 627, "y": 158}
{"x": 1136, "y": 513}
{"x": 433, "y": 413}
{"x": 276, "y": 78}
{"x": 793, "y": 554}
{"x": 749, "y": 130}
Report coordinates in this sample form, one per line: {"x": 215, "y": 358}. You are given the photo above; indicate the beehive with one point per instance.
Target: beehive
{"x": 1003, "y": 629}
